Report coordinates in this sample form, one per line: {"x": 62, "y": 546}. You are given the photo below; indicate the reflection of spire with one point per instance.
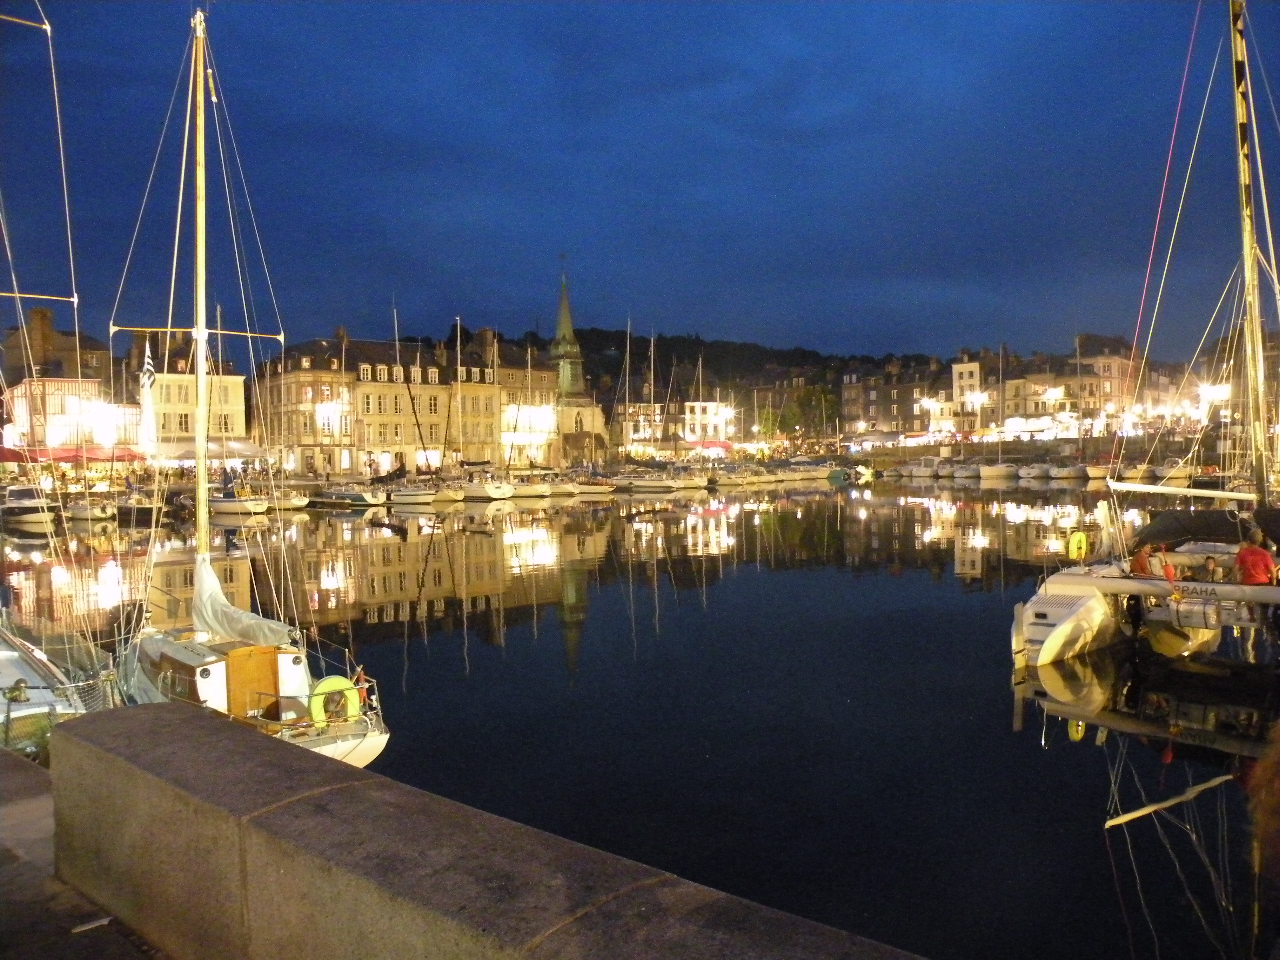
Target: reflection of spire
{"x": 573, "y": 610}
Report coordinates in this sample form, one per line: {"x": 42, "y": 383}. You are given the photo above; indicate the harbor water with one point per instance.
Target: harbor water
{"x": 801, "y": 697}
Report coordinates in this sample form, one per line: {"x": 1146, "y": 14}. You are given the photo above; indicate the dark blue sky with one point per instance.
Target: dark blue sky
{"x": 855, "y": 178}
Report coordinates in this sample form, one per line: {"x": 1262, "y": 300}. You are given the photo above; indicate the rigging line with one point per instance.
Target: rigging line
{"x": 222, "y": 116}
{"x": 1164, "y": 187}
{"x": 1177, "y": 223}
{"x": 1173, "y": 235}
{"x": 146, "y": 193}
{"x": 66, "y": 190}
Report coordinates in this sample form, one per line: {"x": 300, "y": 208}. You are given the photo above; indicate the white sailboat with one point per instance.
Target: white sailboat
{"x": 252, "y": 668}
{"x": 1092, "y": 605}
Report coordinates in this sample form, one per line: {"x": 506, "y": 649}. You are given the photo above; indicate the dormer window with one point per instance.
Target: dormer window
{"x": 397, "y": 374}
{"x": 333, "y": 363}
{"x": 306, "y": 362}
{"x": 415, "y": 374}
{"x": 475, "y": 374}
{"x": 382, "y": 373}
{"x": 366, "y": 372}
{"x": 488, "y": 376}
{"x": 433, "y": 375}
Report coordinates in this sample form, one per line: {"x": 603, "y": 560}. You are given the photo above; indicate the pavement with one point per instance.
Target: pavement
{"x": 41, "y": 918}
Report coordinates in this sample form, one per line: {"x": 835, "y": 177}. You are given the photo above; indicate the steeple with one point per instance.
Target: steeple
{"x": 565, "y": 350}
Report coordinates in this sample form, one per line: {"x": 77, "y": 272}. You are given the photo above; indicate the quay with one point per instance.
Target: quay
{"x": 42, "y": 918}
{"x": 294, "y": 851}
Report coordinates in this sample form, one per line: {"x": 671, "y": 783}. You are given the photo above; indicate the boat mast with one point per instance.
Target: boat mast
{"x": 1254, "y": 366}
{"x": 200, "y": 332}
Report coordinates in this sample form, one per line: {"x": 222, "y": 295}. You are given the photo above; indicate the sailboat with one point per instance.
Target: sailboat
{"x": 254, "y": 669}
{"x": 1092, "y": 605}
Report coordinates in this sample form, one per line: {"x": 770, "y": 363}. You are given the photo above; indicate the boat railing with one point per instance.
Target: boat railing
{"x": 332, "y": 709}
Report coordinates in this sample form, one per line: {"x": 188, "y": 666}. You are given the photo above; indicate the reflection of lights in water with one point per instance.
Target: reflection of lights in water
{"x": 110, "y": 585}
{"x": 929, "y": 535}
{"x": 1015, "y": 513}
{"x": 980, "y": 541}
{"x": 862, "y": 513}
{"x": 1053, "y": 545}
{"x": 329, "y": 578}
{"x": 756, "y": 520}
{"x": 37, "y": 556}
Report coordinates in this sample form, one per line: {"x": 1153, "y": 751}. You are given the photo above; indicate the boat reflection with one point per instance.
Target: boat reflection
{"x": 1186, "y": 742}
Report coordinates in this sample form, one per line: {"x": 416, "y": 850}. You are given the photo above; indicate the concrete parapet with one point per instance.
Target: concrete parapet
{"x": 214, "y": 841}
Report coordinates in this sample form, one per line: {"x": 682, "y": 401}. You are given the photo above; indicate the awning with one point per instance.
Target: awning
{"x": 91, "y": 452}
{"x": 218, "y": 450}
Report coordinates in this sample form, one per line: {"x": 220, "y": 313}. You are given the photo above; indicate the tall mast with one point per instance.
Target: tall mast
{"x": 626, "y": 393}
{"x": 200, "y": 332}
{"x": 1255, "y": 398}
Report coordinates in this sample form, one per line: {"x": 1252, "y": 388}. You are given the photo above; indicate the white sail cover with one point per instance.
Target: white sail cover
{"x": 213, "y": 613}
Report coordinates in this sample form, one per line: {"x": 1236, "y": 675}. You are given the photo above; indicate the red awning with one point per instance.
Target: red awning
{"x": 90, "y": 451}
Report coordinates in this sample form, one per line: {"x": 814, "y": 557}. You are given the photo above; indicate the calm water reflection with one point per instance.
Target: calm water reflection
{"x": 798, "y": 696}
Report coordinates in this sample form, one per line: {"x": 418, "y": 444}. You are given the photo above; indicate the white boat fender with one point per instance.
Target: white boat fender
{"x": 334, "y": 698}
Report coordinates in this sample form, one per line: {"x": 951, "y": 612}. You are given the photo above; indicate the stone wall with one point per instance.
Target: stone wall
{"x": 213, "y": 841}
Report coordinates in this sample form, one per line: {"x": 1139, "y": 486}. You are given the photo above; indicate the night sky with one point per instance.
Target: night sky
{"x": 858, "y": 178}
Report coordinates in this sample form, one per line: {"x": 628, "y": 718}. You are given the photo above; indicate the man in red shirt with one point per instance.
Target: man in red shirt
{"x": 1254, "y": 564}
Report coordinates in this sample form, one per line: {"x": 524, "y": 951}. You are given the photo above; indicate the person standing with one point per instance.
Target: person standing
{"x": 1254, "y": 563}
{"x": 1256, "y": 567}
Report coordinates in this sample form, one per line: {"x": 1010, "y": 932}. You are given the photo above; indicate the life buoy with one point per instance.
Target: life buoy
{"x": 333, "y": 698}
{"x": 1075, "y": 730}
{"x": 1077, "y": 545}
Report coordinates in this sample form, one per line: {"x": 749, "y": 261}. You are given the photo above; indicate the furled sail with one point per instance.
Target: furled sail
{"x": 213, "y": 613}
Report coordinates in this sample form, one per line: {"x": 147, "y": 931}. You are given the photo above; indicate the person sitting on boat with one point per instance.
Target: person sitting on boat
{"x": 1206, "y": 572}
{"x": 1140, "y": 564}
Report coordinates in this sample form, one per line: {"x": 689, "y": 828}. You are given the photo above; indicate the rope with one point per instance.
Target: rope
{"x": 1118, "y": 444}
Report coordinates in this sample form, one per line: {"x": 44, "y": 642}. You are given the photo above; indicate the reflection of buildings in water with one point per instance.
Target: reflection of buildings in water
{"x": 78, "y": 582}
{"x": 437, "y": 569}
{"x": 172, "y": 586}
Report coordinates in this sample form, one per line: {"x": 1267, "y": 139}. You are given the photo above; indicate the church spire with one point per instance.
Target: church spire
{"x": 565, "y": 350}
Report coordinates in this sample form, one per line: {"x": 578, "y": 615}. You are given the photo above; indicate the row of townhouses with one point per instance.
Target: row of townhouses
{"x": 339, "y": 405}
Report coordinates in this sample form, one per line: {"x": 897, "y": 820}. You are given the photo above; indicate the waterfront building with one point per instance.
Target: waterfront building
{"x": 913, "y": 402}
{"x": 36, "y": 348}
{"x": 345, "y": 406}
{"x": 55, "y": 411}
